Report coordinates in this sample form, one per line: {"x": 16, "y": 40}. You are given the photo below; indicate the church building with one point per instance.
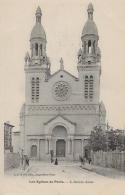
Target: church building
{"x": 61, "y": 110}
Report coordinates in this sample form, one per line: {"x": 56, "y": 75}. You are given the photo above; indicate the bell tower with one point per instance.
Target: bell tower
{"x": 89, "y": 58}
{"x": 38, "y": 40}
{"x": 37, "y": 64}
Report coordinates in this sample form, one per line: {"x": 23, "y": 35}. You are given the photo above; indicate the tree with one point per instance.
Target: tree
{"x": 98, "y": 139}
{"x": 112, "y": 139}
{"x": 116, "y": 139}
{"x": 120, "y": 140}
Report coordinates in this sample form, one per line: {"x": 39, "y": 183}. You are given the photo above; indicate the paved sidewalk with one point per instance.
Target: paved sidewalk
{"x": 108, "y": 172}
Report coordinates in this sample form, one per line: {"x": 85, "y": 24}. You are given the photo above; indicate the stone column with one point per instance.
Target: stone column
{"x": 46, "y": 145}
{"x": 33, "y": 50}
{"x": 72, "y": 147}
{"x": 92, "y": 47}
{"x": 38, "y": 149}
{"x": 84, "y": 47}
{"x": 55, "y": 140}
{"x": 50, "y": 147}
{"x": 87, "y": 49}
{"x": 71, "y": 141}
{"x": 68, "y": 146}
{"x": 39, "y": 50}
{"x": 82, "y": 147}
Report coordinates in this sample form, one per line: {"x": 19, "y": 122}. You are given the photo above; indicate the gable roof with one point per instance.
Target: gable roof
{"x": 75, "y": 78}
{"x": 59, "y": 115}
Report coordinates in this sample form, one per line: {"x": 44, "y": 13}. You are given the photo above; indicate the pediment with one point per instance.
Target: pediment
{"x": 59, "y": 118}
{"x": 59, "y": 121}
{"x": 62, "y": 73}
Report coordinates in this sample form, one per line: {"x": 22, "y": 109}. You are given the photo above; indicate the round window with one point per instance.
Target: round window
{"x": 61, "y": 90}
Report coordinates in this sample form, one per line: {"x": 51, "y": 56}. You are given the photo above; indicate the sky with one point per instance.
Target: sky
{"x": 63, "y": 21}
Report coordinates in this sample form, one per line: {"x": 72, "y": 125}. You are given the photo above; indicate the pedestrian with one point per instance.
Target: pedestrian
{"x": 56, "y": 162}
{"x": 51, "y": 160}
{"x": 51, "y": 153}
{"x": 27, "y": 161}
{"x": 90, "y": 160}
{"x": 24, "y": 162}
{"x": 22, "y": 159}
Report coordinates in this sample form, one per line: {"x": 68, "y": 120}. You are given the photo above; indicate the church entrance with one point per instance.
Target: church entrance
{"x": 60, "y": 148}
{"x": 59, "y": 137}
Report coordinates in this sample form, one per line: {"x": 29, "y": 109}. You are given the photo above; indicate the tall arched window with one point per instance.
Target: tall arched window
{"x": 40, "y": 49}
{"x": 91, "y": 91}
{"x": 36, "y": 49}
{"x": 89, "y": 47}
{"x": 86, "y": 87}
{"x": 35, "y": 89}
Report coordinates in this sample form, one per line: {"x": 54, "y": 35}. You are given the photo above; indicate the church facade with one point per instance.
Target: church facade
{"x": 60, "y": 109}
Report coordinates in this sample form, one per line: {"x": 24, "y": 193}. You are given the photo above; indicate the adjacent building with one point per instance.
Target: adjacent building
{"x": 8, "y": 137}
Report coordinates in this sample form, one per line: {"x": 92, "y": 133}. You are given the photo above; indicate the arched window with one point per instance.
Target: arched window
{"x": 36, "y": 49}
{"x": 33, "y": 151}
{"x": 89, "y": 47}
{"x": 38, "y": 19}
{"x": 91, "y": 91}
{"x": 35, "y": 89}
{"x": 40, "y": 49}
{"x": 86, "y": 85}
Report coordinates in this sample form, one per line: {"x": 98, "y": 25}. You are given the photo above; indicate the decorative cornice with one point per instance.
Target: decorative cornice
{"x": 64, "y": 107}
{"x": 84, "y": 67}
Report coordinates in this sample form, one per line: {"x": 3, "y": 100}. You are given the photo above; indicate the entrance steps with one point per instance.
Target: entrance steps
{"x": 60, "y": 163}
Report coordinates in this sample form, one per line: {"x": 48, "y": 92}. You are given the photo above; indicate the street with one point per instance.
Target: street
{"x": 64, "y": 171}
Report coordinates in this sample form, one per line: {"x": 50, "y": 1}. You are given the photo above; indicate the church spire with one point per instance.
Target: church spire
{"x": 38, "y": 39}
{"x": 90, "y": 11}
{"x": 38, "y": 15}
{"x": 38, "y": 57}
{"x": 89, "y": 52}
{"x": 61, "y": 64}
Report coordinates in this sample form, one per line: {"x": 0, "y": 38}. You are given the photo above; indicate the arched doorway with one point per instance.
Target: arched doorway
{"x": 59, "y": 137}
{"x": 60, "y": 148}
{"x": 33, "y": 151}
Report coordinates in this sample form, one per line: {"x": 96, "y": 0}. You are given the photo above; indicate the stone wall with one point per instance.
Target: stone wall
{"x": 11, "y": 160}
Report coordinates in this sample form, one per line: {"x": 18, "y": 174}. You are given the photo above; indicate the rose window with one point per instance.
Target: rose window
{"x": 61, "y": 90}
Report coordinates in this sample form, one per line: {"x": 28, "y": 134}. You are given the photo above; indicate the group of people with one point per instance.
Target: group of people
{"x": 85, "y": 159}
{"x": 55, "y": 161}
